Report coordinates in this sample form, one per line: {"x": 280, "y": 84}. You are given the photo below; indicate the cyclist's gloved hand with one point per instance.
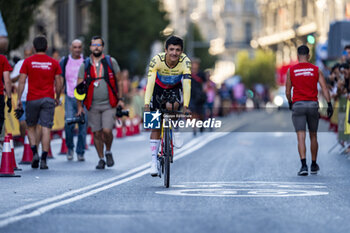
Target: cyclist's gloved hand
{"x": 187, "y": 111}
{"x": 146, "y": 108}
{"x": 9, "y": 104}
{"x": 329, "y": 110}
{"x": 290, "y": 105}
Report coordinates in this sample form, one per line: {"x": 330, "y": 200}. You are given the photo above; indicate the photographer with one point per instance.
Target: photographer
{"x": 99, "y": 75}
{"x": 70, "y": 66}
{"x": 342, "y": 90}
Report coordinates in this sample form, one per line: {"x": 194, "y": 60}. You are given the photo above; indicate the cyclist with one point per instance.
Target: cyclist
{"x": 169, "y": 70}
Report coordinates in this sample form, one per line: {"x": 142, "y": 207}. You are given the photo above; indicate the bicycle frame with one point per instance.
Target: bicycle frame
{"x": 167, "y": 149}
{"x": 162, "y": 141}
{"x": 166, "y": 154}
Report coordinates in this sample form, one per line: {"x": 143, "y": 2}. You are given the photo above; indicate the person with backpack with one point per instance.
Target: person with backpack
{"x": 100, "y": 77}
{"x": 70, "y": 67}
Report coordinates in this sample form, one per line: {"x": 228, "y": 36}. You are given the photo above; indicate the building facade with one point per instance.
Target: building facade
{"x": 227, "y": 26}
{"x": 52, "y": 19}
{"x": 286, "y": 24}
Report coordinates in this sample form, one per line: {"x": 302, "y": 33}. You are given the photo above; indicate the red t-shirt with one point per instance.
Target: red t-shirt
{"x": 41, "y": 70}
{"x": 4, "y": 66}
{"x": 304, "y": 77}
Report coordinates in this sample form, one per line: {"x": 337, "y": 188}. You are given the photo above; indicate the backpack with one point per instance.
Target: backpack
{"x": 108, "y": 60}
{"x": 63, "y": 64}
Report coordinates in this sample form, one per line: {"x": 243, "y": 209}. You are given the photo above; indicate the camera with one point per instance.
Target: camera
{"x": 78, "y": 119}
{"x": 121, "y": 112}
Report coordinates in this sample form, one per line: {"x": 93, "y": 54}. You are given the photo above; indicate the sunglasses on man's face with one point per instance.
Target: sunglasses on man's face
{"x": 98, "y": 45}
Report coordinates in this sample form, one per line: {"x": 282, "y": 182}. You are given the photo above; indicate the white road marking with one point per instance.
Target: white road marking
{"x": 70, "y": 193}
{"x": 12, "y": 216}
{"x": 242, "y": 193}
{"x": 246, "y": 189}
{"x": 248, "y": 184}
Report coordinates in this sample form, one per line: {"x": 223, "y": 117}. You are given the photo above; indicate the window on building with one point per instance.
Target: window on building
{"x": 228, "y": 5}
{"x": 210, "y": 8}
{"x": 249, "y": 5}
{"x": 248, "y": 32}
{"x": 304, "y": 8}
{"x": 62, "y": 19}
{"x": 275, "y": 18}
{"x": 229, "y": 30}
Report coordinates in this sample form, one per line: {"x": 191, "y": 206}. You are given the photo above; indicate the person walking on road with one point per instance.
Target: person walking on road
{"x": 28, "y": 51}
{"x": 5, "y": 86}
{"x": 100, "y": 74}
{"x": 70, "y": 67}
{"x": 43, "y": 75}
{"x": 198, "y": 96}
{"x": 303, "y": 78}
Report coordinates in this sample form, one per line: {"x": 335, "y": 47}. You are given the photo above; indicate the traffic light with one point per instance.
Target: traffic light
{"x": 311, "y": 39}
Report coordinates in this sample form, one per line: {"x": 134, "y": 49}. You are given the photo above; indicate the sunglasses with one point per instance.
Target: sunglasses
{"x": 98, "y": 45}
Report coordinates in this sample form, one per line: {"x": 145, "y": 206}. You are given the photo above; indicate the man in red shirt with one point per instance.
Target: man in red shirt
{"x": 43, "y": 74}
{"x": 5, "y": 70}
{"x": 303, "y": 77}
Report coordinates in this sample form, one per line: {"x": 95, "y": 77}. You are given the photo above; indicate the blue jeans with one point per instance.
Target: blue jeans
{"x": 70, "y": 111}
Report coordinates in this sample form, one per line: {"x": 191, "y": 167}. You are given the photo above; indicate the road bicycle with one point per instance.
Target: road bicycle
{"x": 166, "y": 154}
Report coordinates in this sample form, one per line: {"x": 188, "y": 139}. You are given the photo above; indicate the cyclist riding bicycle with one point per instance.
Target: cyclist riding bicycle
{"x": 169, "y": 70}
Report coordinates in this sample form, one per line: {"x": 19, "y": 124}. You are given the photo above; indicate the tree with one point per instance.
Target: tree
{"x": 260, "y": 69}
{"x": 18, "y": 17}
{"x": 133, "y": 26}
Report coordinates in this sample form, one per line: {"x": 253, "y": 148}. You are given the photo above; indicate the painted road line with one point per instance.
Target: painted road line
{"x": 247, "y": 189}
{"x": 145, "y": 167}
{"x": 49, "y": 207}
{"x": 242, "y": 192}
{"x": 73, "y": 192}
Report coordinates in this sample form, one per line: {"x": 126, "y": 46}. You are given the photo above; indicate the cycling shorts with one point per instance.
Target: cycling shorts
{"x": 158, "y": 92}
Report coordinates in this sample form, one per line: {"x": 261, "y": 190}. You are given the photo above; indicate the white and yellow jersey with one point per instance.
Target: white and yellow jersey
{"x": 159, "y": 72}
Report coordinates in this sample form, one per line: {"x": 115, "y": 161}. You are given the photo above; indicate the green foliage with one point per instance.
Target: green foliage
{"x": 133, "y": 26}
{"x": 18, "y": 17}
{"x": 260, "y": 69}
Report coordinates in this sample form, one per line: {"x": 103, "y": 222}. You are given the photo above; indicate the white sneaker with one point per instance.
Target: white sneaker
{"x": 177, "y": 140}
{"x": 154, "y": 169}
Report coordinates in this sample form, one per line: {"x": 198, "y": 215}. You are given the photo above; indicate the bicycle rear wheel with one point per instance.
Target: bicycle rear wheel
{"x": 167, "y": 154}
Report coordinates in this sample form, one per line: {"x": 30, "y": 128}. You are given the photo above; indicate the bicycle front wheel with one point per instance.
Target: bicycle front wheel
{"x": 167, "y": 154}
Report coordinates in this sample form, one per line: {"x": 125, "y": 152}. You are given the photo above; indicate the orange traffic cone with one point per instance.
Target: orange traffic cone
{"x": 49, "y": 154}
{"x": 91, "y": 136}
{"x": 14, "y": 165}
{"x": 27, "y": 152}
{"x": 6, "y": 169}
{"x": 64, "y": 148}
{"x": 119, "y": 128}
{"x": 136, "y": 125}
{"x": 129, "y": 128}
